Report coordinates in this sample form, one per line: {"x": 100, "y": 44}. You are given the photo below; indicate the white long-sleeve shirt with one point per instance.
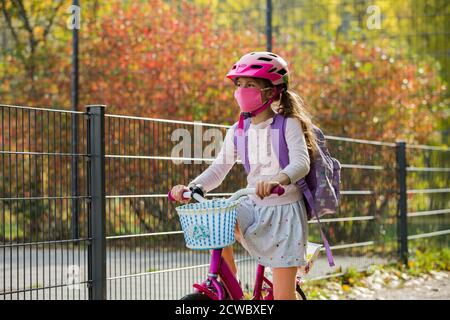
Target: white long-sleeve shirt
{"x": 264, "y": 164}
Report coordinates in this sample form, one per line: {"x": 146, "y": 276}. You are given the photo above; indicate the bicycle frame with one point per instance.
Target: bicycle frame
{"x": 231, "y": 288}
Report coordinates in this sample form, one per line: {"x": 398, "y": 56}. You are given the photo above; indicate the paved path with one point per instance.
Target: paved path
{"x": 134, "y": 274}
{"x": 140, "y": 275}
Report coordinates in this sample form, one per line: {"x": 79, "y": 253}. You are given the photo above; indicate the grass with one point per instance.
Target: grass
{"x": 36, "y": 286}
{"x": 425, "y": 261}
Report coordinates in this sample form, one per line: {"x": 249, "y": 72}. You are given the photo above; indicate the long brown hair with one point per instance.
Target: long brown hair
{"x": 292, "y": 105}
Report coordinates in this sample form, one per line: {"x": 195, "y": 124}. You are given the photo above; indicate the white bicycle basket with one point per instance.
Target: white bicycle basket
{"x": 208, "y": 224}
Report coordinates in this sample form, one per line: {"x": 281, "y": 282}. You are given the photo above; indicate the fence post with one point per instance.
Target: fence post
{"x": 402, "y": 218}
{"x": 74, "y": 98}
{"x": 97, "y": 211}
{"x": 269, "y": 25}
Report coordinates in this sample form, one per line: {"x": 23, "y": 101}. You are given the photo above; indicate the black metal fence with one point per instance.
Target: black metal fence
{"x": 129, "y": 244}
{"x": 38, "y": 251}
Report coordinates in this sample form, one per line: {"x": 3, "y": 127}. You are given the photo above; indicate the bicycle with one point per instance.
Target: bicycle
{"x": 198, "y": 221}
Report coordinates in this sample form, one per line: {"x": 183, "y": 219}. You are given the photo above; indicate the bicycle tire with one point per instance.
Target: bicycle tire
{"x": 300, "y": 292}
{"x": 196, "y": 296}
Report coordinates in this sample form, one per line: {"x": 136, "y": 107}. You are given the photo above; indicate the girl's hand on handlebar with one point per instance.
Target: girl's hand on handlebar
{"x": 177, "y": 193}
{"x": 264, "y": 188}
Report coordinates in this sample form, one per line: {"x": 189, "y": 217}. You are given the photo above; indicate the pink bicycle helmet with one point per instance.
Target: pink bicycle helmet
{"x": 265, "y": 65}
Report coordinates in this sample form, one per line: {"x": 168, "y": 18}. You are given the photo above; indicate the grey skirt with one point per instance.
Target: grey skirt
{"x": 276, "y": 236}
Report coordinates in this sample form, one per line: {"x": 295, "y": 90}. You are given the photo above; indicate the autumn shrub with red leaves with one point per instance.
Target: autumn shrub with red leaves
{"x": 367, "y": 92}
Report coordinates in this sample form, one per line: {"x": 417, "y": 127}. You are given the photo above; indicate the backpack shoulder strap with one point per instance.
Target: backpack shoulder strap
{"x": 278, "y": 137}
{"x": 241, "y": 144}
{"x": 310, "y": 202}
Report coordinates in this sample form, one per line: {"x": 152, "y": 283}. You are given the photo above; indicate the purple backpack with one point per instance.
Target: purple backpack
{"x": 320, "y": 187}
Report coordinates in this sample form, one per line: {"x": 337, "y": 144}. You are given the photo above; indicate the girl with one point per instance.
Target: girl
{"x": 273, "y": 229}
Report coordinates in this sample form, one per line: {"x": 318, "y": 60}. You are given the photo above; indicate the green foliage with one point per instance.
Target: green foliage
{"x": 351, "y": 277}
{"x": 425, "y": 260}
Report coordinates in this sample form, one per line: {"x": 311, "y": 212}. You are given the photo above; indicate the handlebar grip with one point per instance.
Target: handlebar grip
{"x": 170, "y": 196}
{"x": 279, "y": 190}
{"x": 186, "y": 196}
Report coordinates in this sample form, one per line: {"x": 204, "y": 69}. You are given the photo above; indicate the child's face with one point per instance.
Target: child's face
{"x": 248, "y": 82}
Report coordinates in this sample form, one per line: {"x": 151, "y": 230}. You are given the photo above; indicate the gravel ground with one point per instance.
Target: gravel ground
{"x": 427, "y": 287}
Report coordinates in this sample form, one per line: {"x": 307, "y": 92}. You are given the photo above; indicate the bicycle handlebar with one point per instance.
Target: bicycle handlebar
{"x": 278, "y": 190}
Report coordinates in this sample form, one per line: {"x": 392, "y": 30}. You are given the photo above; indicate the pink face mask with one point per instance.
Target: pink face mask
{"x": 249, "y": 99}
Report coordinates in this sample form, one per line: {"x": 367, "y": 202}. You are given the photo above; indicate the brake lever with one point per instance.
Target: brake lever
{"x": 197, "y": 192}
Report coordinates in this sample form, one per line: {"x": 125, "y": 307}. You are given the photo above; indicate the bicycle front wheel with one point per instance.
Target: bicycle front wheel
{"x": 300, "y": 294}
{"x": 196, "y": 296}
